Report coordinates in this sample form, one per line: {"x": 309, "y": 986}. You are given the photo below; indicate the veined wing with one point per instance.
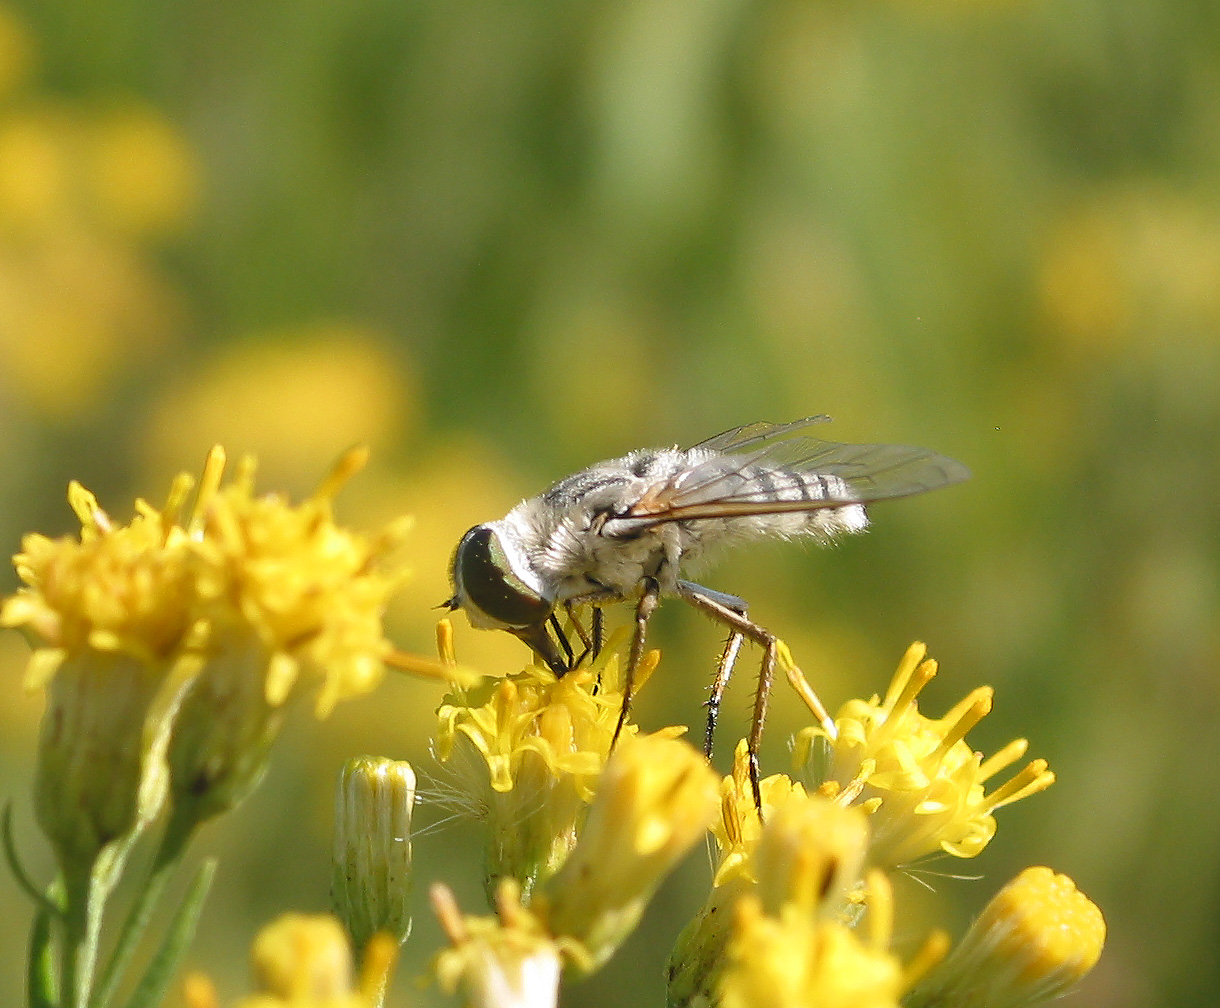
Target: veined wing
{"x": 755, "y": 435}
{"x": 780, "y": 472}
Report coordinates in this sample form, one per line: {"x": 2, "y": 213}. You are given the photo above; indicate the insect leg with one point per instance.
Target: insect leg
{"x": 599, "y": 630}
{"x": 728, "y": 657}
{"x": 643, "y": 611}
{"x": 563, "y": 641}
{"x": 740, "y": 624}
{"x": 570, "y": 609}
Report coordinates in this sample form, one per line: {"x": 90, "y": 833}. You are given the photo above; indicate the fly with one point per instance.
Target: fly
{"x": 627, "y": 528}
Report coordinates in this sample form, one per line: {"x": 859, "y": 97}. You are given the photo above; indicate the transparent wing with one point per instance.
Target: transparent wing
{"x": 752, "y": 435}
{"x": 771, "y": 469}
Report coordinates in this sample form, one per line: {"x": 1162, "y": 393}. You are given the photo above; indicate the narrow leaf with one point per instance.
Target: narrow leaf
{"x": 150, "y": 992}
{"x": 19, "y": 873}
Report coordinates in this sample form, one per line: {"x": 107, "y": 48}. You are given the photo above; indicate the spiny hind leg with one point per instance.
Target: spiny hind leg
{"x": 728, "y": 657}
{"x": 715, "y": 604}
{"x": 643, "y": 612}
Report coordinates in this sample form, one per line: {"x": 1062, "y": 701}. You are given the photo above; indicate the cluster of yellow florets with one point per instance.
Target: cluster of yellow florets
{"x": 307, "y": 592}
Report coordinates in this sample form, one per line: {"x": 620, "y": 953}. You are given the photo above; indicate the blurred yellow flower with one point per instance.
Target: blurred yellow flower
{"x": 506, "y": 961}
{"x": 287, "y": 398}
{"x": 806, "y": 852}
{"x": 1130, "y": 269}
{"x": 304, "y": 961}
{"x": 76, "y": 296}
{"x": 921, "y": 782}
{"x": 140, "y": 171}
{"x": 35, "y": 169}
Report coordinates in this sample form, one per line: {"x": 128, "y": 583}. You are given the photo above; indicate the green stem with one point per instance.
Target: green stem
{"x": 79, "y": 949}
{"x": 40, "y": 971}
{"x": 168, "y": 857}
{"x": 152, "y": 987}
{"x": 129, "y": 938}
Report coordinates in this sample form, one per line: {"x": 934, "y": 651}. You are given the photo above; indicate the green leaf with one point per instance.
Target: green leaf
{"x": 45, "y": 906}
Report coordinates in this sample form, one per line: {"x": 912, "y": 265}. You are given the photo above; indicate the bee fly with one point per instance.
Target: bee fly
{"x": 626, "y": 528}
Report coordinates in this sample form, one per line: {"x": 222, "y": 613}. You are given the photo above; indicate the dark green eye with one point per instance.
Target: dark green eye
{"x": 482, "y": 571}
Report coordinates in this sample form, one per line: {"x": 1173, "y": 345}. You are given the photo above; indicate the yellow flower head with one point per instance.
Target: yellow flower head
{"x": 1037, "y": 937}
{"x": 807, "y": 852}
{"x": 117, "y": 589}
{"x": 284, "y": 598}
{"x": 311, "y": 592}
{"x": 304, "y": 961}
{"x": 791, "y": 960}
{"x": 108, "y": 613}
{"x": 528, "y": 751}
{"x": 506, "y": 961}
{"x": 916, "y": 775}
{"x": 240, "y": 596}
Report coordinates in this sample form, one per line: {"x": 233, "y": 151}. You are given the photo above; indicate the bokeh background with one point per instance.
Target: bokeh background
{"x": 498, "y": 242}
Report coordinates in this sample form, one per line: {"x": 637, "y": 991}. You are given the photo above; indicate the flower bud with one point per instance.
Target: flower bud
{"x": 1037, "y": 937}
{"x": 371, "y": 884}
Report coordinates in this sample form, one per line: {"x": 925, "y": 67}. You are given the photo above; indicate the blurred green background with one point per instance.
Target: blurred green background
{"x": 498, "y": 242}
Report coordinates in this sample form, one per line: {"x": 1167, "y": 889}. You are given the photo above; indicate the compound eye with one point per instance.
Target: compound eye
{"x": 483, "y": 572}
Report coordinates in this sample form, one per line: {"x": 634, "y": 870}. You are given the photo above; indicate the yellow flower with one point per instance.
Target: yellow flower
{"x": 506, "y": 961}
{"x": 108, "y": 614}
{"x": 287, "y": 599}
{"x": 246, "y": 597}
{"x": 311, "y": 592}
{"x": 528, "y": 751}
{"x": 141, "y": 171}
{"x": 807, "y": 852}
{"x": 1037, "y": 937}
{"x": 655, "y": 798}
{"x": 916, "y": 775}
{"x": 792, "y": 960}
{"x": 303, "y": 961}
{"x": 122, "y": 590}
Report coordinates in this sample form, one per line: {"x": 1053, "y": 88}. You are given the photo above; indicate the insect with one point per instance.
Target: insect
{"x": 626, "y": 530}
